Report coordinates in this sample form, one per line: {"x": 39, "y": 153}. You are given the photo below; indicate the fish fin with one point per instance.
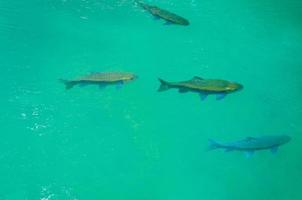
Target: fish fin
{"x": 164, "y": 85}
{"x": 183, "y": 90}
{"x": 249, "y": 154}
{"x": 119, "y": 85}
{"x": 274, "y": 150}
{"x": 102, "y": 86}
{"x": 168, "y": 23}
{"x": 203, "y": 96}
{"x": 197, "y": 78}
{"x": 155, "y": 17}
{"x": 213, "y": 145}
{"x": 138, "y": 2}
{"x": 220, "y": 96}
{"x": 68, "y": 84}
{"x": 141, "y": 4}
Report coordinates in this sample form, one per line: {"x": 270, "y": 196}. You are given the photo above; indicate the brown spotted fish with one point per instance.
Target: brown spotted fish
{"x": 102, "y": 79}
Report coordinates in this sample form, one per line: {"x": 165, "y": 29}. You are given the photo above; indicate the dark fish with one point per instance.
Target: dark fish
{"x": 203, "y": 87}
{"x": 101, "y": 79}
{"x": 164, "y": 14}
{"x": 252, "y": 144}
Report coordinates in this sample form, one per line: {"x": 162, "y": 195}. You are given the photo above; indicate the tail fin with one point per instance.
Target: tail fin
{"x": 164, "y": 85}
{"x": 213, "y": 145}
{"x": 68, "y": 84}
{"x": 141, "y": 4}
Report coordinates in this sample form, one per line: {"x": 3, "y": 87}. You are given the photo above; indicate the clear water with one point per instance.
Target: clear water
{"x": 136, "y": 143}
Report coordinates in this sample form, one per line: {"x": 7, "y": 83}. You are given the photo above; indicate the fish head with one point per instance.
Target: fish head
{"x": 126, "y": 77}
{"x": 185, "y": 22}
{"x": 284, "y": 139}
{"x": 133, "y": 77}
{"x": 232, "y": 87}
{"x": 130, "y": 77}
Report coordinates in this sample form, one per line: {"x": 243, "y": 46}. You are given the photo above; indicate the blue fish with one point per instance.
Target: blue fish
{"x": 251, "y": 144}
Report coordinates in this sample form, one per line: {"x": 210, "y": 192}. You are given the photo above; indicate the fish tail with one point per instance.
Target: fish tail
{"x": 138, "y": 2}
{"x": 68, "y": 84}
{"x": 213, "y": 145}
{"x": 142, "y": 4}
{"x": 164, "y": 85}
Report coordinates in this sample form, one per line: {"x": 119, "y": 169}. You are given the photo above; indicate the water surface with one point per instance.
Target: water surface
{"x": 136, "y": 143}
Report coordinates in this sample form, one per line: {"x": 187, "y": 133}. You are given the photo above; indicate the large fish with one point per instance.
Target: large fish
{"x": 169, "y": 17}
{"x": 101, "y": 79}
{"x": 203, "y": 87}
{"x": 252, "y": 144}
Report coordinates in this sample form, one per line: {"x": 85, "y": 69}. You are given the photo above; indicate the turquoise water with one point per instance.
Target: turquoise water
{"x": 136, "y": 143}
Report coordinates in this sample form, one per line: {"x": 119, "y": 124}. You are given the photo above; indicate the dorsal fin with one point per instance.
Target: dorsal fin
{"x": 197, "y": 78}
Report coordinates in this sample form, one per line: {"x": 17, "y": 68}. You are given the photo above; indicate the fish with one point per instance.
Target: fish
{"x": 159, "y": 13}
{"x": 203, "y": 87}
{"x": 251, "y": 144}
{"x": 100, "y": 78}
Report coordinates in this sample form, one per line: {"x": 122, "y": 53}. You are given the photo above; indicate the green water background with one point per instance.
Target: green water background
{"x": 136, "y": 143}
